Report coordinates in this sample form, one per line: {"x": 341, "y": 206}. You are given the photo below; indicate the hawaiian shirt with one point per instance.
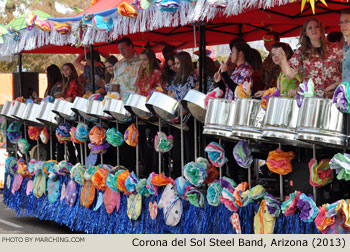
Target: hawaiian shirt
{"x": 270, "y": 72}
{"x": 125, "y": 74}
{"x": 243, "y": 77}
{"x": 323, "y": 71}
{"x": 147, "y": 86}
{"x": 180, "y": 90}
{"x": 284, "y": 84}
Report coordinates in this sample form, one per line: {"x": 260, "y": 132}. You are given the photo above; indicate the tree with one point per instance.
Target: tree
{"x": 38, "y": 62}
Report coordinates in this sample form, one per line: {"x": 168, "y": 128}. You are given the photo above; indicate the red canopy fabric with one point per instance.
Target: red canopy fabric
{"x": 251, "y": 25}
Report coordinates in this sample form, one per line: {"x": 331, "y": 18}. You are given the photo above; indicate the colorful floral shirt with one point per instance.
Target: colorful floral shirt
{"x": 180, "y": 90}
{"x": 147, "y": 86}
{"x": 125, "y": 74}
{"x": 243, "y": 77}
{"x": 323, "y": 71}
{"x": 270, "y": 72}
{"x": 73, "y": 90}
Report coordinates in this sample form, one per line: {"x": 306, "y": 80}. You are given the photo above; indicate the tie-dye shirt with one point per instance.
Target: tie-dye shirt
{"x": 243, "y": 77}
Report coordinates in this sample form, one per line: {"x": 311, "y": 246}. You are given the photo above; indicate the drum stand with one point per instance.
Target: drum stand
{"x": 85, "y": 147}
{"x": 101, "y": 154}
{"x": 281, "y": 178}
{"x": 25, "y": 137}
{"x": 159, "y": 153}
{"x": 38, "y": 149}
{"x": 118, "y": 157}
{"x": 314, "y": 191}
{"x": 195, "y": 139}
{"x": 65, "y": 146}
{"x": 182, "y": 141}
{"x": 220, "y": 168}
{"x": 50, "y": 130}
{"x": 137, "y": 148}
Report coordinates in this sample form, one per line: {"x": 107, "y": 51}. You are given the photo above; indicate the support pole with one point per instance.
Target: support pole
{"x": 182, "y": 140}
{"x": 20, "y": 73}
{"x": 65, "y": 147}
{"x": 195, "y": 139}
{"x": 220, "y": 168}
{"x": 159, "y": 153}
{"x": 249, "y": 173}
{"x": 25, "y": 137}
{"x": 314, "y": 191}
{"x": 118, "y": 157}
{"x": 85, "y": 150}
{"x": 51, "y": 158}
{"x": 38, "y": 149}
{"x": 137, "y": 149}
{"x": 281, "y": 179}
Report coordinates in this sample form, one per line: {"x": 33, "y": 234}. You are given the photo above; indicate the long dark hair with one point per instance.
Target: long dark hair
{"x": 54, "y": 76}
{"x": 111, "y": 60}
{"x": 73, "y": 76}
{"x": 186, "y": 67}
{"x": 246, "y": 50}
{"x": 152, "y": 65}
{"x": 167, "y": 73}
{"x": 305, "y": 43}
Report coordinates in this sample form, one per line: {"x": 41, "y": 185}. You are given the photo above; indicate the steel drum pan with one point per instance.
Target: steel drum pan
{"x": 95, "y": 109}
{"x": 17, "y": 110}
{"x": 248, "y": 119}
{"x": 116, "y": 109}
{"x": 46, "y": 116}
{"x": 135, "y": 104}
{"x": 219, "y": 118}
{"x": 167, "y": 108}
{"x": 63, "y": 109}
{"x": 280, "y": 121}
{"x": 319, "y": 121}
{"x": 31, "y": 113}
{"x": 6, "y": 109}
{"x": 194, "y": 103}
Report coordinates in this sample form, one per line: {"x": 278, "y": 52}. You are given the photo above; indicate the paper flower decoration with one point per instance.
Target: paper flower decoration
{"x": 43, "y": 25}
{"x": 167, "y": 5}
{"x": 114, "y": 137}
{"x": 280, "y": 162}
{"x": 216, "y": 154}
{"x": 273, "y": 205}
{"x": 307, "y": 207}
{"x": 62, "y": 28}
{"x": 44, "y": 136}
{"x": 289, "y": 206}
{"x": 195, "y": 173}
{"x": 127, "y": 10}
{"x": 30, "y": 19}
{"x": 320, "y": 174}
{"x": 62, "y": 133}
{"x": 306, "y": 89}
{"x": 271, "y": 92}
{"x": 341, "y": 97}
{"x": 341, "y": 164}
{"x": 82, "y": 132}
{"x": 163, "y": 143}
{"x": 216, "y": 93}
{"x": 214, "y": 194}
{"x": 131, "y": 135}
{"x": 97, "y": 135}
{"x": 243, "y": 154}
{"x": 104, "y": 24}
{"x": 34, "y": 132}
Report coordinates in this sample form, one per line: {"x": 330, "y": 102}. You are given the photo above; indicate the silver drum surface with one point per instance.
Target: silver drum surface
{"x": 320, "y": 121}
{"x": 164, "y": 106}
{"x": 63, "y": 109}
{"x": 17, "y": 110}
{"x": 31, "y": 113}
{"x": 46, "y": 116}
{"x": 194, "y": 102}
{"x": 116, "y": 109}
{"x": 95, "y": 109}
{"x": 248, "y": 120}
{"x": 219, "y": 118}
{"x": 6, "y": 108}
{"x": 280, "y": 121}
{"x": 135, "y": 104}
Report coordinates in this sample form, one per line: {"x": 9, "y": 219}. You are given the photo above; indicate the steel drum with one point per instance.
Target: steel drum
{"x": 280, "y": 121}
{"x": 248, "y": 119}
{"x": 6, "y": 109}
{"x": 63, "y": 109}
{"x": 116, "y": 109}
{"x": 167, "y": 108}
{"x": 31, "y": 113}
{"x": 95, "y": 109}
{"x": 17, "y": 110}
{"x": 46, "y": 116}
{"x": 79, "y": 104}
{"x": 219, "y": 118}
{"x": 320, "y": 121}
{"x": 135, "y": 104}
{"x": 194, "y": 103}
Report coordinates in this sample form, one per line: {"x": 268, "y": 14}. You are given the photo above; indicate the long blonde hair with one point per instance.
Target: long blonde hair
{"x": 305, "y": 43}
